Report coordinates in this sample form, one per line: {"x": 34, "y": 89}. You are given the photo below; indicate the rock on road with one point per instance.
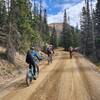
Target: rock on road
{"x": 64, "y": 79}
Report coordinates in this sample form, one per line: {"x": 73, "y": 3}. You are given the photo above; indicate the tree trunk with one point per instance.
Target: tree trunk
{"x": 10, "y": 47}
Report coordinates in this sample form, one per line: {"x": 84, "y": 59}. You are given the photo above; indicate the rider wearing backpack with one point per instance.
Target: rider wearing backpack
{"x": 49, "y": 51}
{"x": 30, "y": 58}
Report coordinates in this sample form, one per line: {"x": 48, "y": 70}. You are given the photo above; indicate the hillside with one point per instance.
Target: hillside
{"x": 58, "y": 27}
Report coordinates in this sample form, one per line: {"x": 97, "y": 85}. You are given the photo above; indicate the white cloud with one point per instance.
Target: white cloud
{"x": 73, "y": 11}
{"x": 55, "y": 18}
{"x": 62, "y": 6}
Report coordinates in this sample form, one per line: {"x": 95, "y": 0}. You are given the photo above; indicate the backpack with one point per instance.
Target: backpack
{"x": 48, "y": 51}
{"x": 28, "y": 57}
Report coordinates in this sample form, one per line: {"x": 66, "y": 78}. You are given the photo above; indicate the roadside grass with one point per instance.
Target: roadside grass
{"x": 98, "y": 64}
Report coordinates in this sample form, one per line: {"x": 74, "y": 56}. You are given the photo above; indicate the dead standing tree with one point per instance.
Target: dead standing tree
{"x": 12, "y": 38}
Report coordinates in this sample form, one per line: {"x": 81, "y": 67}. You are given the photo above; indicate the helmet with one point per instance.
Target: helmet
{"x": 32, "y": 48}
{"x": 51, "y": 45}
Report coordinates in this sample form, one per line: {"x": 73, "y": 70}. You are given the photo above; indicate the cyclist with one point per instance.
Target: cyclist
{"x": 70, "y": 51}
{"x": 32, "y": 54}
{"x": 52, "y": 48}
{"x": 49, "y": 53}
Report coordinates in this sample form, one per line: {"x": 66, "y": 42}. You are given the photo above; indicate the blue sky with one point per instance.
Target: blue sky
{"x": 55, "y": 10}
{"x": 55, "y": 6}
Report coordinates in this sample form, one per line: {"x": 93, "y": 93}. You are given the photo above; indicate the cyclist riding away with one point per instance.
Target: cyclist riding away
{"x": 70, "y": 51}
{"x": 52, "y": 48}
{"x": 32, "y": 54}
{"x": 49, "y": 53}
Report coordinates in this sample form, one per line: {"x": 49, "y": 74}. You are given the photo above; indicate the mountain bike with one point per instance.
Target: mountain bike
{"x": 30, "y": 75}
{"x": 50, "y": 59}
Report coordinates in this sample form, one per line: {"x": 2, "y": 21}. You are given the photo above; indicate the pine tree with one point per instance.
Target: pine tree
{"x": 89, "y": 38}
{"x": 45, "y": 27}
{"x": 97, "y": 17}
{"x": 40, "y": 24}
{"x": 40, "y": 10}
{"x": 53, "y": 39}
{"x": 76, "y": 34}
{"x": 35, "y": 17}
{"x": 25, "y": 22}
{"x": 3, "y": 22}
{"x": 93, "y": 22}
{"x": 35, "y": 13}
{"x": 83, "y": 31}
{"x": 3, "y": 14}
{"x": 66, "y": 34}
{"x": 45, "y": 16}
{"x": 86, "y": 34}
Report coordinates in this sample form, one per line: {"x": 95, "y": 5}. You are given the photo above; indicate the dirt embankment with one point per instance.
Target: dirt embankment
{"x": 9, "y": 71}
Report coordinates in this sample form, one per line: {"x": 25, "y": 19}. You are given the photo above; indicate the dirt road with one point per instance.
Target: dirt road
{"x": 64, "y": 79}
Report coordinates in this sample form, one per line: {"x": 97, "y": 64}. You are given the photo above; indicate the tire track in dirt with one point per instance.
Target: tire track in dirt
{"x": 80, "y": 90}
{"x": 49, "y": 90}
{"x": 72, "y": 86}
{"x": 66, "y": 86}
{"x": 90, "y": 78}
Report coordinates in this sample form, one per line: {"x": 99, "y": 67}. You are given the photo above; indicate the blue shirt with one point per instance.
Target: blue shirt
{"x": 35, "y": 54}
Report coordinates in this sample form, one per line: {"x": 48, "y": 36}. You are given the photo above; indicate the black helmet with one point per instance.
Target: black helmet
{"x": 32, "y": 48}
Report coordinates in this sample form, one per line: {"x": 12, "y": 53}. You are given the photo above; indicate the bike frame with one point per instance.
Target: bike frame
{"x": 30, "y": 73}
